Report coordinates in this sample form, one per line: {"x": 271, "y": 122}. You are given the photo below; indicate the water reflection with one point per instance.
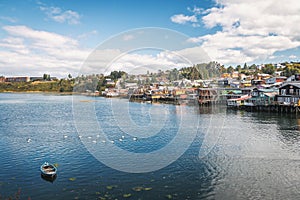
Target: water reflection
{"x": 50, "y": 179}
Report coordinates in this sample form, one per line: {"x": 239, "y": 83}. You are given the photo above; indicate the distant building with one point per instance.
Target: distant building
{"x": 36, "y": 78}
{"x": 273, "y": 80}
{"x": 17, "y": 79}
{"x": 235, "y": 75}
{"x": 293, "y": 78}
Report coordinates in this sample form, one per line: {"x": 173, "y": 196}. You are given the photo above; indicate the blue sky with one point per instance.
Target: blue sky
{"x": 56, "y": 37}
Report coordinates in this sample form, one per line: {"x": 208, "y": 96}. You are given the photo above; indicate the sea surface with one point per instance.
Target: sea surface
{"x": 115, "y": 149}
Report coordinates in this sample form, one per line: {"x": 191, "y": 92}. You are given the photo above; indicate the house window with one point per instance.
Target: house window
{"x": 291, "y": 91}
{"x": 297, "y": 92}
{"x": 283, "y": 91}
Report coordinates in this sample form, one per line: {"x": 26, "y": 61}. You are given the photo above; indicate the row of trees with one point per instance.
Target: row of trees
{"x": 97, "y": 81}
{"x": 287, "y": 69}
{"x": 61, "y": 85}
{"x": 201, "y": 71}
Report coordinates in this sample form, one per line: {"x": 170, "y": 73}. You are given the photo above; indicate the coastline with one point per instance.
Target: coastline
{"x": 42, "y": 92}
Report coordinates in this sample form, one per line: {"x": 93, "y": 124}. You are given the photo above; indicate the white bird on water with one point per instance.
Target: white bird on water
{"x": 28, "y": 140}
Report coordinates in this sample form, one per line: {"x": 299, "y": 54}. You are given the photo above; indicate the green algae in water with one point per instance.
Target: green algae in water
{"x": 137, "y": 189}
{"x": 110, "y": 187}
{"x": 148, "y": 188}
{"x": 56, "y": 164}
{"x": 127, "y": 195}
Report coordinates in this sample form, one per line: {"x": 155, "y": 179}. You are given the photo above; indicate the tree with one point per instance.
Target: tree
{"x": 253, "y": 66}
{"x": 230, "y": 69}
{"x": 291, "y": 69}
{"x": 115, "y": 75}
{"x": 46, "y": 77}
{"x": 238, "y": 68}
{"x": 268, "y": 69}
{"x": 245, "y": 66}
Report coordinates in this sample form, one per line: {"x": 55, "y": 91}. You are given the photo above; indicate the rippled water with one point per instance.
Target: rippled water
{"x": 233, "y": 154}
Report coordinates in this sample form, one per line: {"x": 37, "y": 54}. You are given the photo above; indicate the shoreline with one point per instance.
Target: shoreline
{"x": 41, "y": 92}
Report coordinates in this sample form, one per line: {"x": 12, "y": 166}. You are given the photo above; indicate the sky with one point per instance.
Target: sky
{"x": 61, "y": 37}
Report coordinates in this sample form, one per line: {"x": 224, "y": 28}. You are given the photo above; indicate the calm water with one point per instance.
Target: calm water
{"x": 232, "y": 155}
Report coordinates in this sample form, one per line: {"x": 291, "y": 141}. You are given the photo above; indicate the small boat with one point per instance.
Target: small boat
{"x": 48, "y": 169}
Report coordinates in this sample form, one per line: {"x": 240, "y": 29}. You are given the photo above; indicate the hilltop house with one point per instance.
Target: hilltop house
{"x": 273, "y": 80}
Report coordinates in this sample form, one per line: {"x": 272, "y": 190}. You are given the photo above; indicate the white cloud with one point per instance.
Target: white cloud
{"x": 128, "y": 37}
{"x": 182, "y": 19}
{"x": 250, "y": 30}
{"x": 34, "y": 52}
{"x": 88, "y": 34}
{"x": 58, "y": 15}
{"x": 136, "y": 63}
{"x": 196, "y": 10}
{"x": 26, "y": 51}
{"x": 15, "y": 44}
{"x": 41, "y": 38}
{"x": 292, "y": 57}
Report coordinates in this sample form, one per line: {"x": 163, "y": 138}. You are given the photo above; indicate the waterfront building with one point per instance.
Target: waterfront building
{"x": 208, "y": 95}
{"x": 261, "y": 97}
{"x": 289, "y": 94}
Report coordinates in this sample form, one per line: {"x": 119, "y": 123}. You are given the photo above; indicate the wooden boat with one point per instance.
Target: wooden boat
{"x": 48, "y": 169}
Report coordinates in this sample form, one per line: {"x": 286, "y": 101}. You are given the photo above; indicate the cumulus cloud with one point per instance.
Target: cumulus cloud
{"x": 88, "y": 34}
{"x": 137, "y": 62}
{"x": 292, "y": 57}
{"x": 34, "y": 52}
{"x": 250, "y": 30}
{"x": 27, "y": 51}
{"x": 58, "y": 15}
{"x": 182, "y": 19}
{"x": 128, "y": 37}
